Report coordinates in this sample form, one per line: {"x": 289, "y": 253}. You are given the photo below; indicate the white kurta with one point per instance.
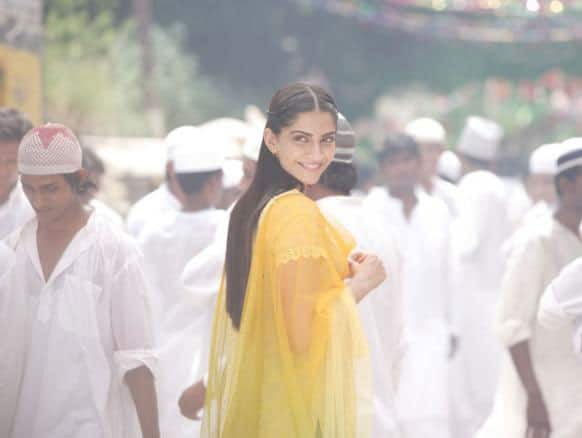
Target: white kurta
{"x": 76, "y": 335}
{"x": 15, "y": 212}
{"x": 478, "y": 236}
{"x": 12, "y": 320}
{"x": 105, "y": 210}
{"x": 448, "y": 193}
{"x": 561, "y": 304}
{"x": 160, "y": 201}
{"x": 531, "y": 267}
{"x": 423, "y": 242}
{"x": 168, "y": 243}
{"x": 381, "y": 311}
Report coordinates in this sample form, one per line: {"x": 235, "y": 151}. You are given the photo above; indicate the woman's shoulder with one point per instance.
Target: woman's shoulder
{"x": 292, "y": 203}
{"x": 290, "y": 212}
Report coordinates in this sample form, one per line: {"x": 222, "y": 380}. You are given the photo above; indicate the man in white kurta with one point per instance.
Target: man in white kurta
{"x": 168, "y": 243}
{"x": 561, "y": 304}
{"x": 478, "y": 235}
{"x": 550, "y": 245}
{"x": 380, "y": 312}
{"x": 89, "y": 324}
{"x": 201, "y": 282}
{"x": 163, "y": 199}
{"x": 15, "y": 210}
{"x": 432, "y": 140}
{"x": 420, "y": 224}
{"x": 79, "y": 333}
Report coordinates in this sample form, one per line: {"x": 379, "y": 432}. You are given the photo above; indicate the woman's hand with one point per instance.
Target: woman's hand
{"x": 192, "y": 401}
{"x": 367, "y": 274}
{"x": 538, "y": 419}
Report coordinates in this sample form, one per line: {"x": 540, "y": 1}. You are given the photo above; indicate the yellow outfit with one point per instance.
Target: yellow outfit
{"x": 298, "y": 367}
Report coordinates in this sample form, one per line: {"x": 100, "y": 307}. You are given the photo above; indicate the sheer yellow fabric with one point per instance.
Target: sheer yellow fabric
{"x": 298, "y": 366}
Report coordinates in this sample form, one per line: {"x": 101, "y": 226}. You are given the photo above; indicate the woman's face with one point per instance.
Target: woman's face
{"x": 306, "y": 147}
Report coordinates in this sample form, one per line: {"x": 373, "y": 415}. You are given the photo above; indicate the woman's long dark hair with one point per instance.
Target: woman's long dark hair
{"x": 270, "y": 180}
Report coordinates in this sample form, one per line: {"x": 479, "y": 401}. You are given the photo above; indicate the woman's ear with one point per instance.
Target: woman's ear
{"x": 270, "y": 139}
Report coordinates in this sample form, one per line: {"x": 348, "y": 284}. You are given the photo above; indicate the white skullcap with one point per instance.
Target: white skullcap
{"x": 345, "y": 141}
{"x": 480, "y": 139}
{"x": 449, "y": 166}
{"x": 174, "y": 138}
{"x": 571, "y": 154}
{"x": 426, "y": 130}
{"x": 252, "y": 146}
{"x": 544, "y": 159}
{"x": 51, "y": 149}
{"x": 233, "y": 173}
{"x": 195, "y": 152}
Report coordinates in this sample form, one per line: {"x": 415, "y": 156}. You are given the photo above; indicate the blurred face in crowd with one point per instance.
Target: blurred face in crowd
{"x": 306, "y": 147}
{"x": 51, "y": 196}
{"x": 401, "y": 172}
{"x": 8, "y": 168}
{"x": 541, "y": 188}
{"x": 572, "y": 191}
{"x": 430, "y": 154}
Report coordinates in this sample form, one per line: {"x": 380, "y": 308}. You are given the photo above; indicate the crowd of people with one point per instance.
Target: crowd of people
{"x": 433, "y": 305}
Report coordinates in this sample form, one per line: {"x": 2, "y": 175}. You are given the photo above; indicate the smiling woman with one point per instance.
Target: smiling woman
{"x": 305, "y": 148}
{"x": 288, "y": 355}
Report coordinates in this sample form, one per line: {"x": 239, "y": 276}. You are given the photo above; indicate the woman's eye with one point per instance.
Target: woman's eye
{"x": 300, "y": 138}
{"x": 328, "y": 140}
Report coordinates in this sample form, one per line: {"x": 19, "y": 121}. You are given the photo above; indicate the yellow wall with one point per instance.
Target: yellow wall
{"x": 20, "y": 81}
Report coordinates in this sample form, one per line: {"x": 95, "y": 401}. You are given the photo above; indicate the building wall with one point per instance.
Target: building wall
{"x": 20, "y": 56}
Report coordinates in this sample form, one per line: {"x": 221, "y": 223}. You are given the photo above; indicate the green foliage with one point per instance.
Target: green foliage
{"x": 93, "y": 75}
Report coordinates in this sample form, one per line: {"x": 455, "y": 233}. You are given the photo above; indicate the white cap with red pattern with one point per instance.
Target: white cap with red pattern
{"x": 50, "y": 149}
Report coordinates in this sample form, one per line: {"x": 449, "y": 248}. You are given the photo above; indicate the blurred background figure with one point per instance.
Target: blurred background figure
{"x": 420, "y": 224}
{"x": 15, "y": 209}
{"x": 168, "y": 242}
{"x": 381, "y": 313}
{"x": 478, "y": 235}
{"x": 163, "y": 198}
{"x": 431, "y": 137}
{"x": 540, "y": 375}
{"x": 95, "y": 172}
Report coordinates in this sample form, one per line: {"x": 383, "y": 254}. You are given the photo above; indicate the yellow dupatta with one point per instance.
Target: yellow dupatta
{"x": 298, "y": 367}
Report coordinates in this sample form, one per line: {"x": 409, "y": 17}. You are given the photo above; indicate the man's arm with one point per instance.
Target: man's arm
{"x": 538, "y": 420}
{"x": 143, "y": 391}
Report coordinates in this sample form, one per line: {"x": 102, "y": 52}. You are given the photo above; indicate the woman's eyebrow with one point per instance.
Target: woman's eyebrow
{"x": 297, "y": 131}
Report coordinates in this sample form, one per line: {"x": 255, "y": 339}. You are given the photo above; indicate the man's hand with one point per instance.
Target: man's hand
{"x": 538, "y": 420}
{"x": 192, "y": 401}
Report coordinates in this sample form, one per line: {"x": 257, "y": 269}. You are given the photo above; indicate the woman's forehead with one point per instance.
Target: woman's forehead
{"x": 313, "y": 122}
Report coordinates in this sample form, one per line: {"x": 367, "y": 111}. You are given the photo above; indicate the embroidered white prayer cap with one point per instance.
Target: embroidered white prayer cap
{"x": 544, "y": 159}
{"x": 449, "y": 166}
{"x": 426, "y": 130}
{"x": 480, "y": 139}
{"x": 195, "y": 151}
{"x": 252, "y": 146}
{"x": 345, "y": 141}
{"x": 571, "y": 154}
{"x": 174, "y": 138}
{"x": 50, "y": 149}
